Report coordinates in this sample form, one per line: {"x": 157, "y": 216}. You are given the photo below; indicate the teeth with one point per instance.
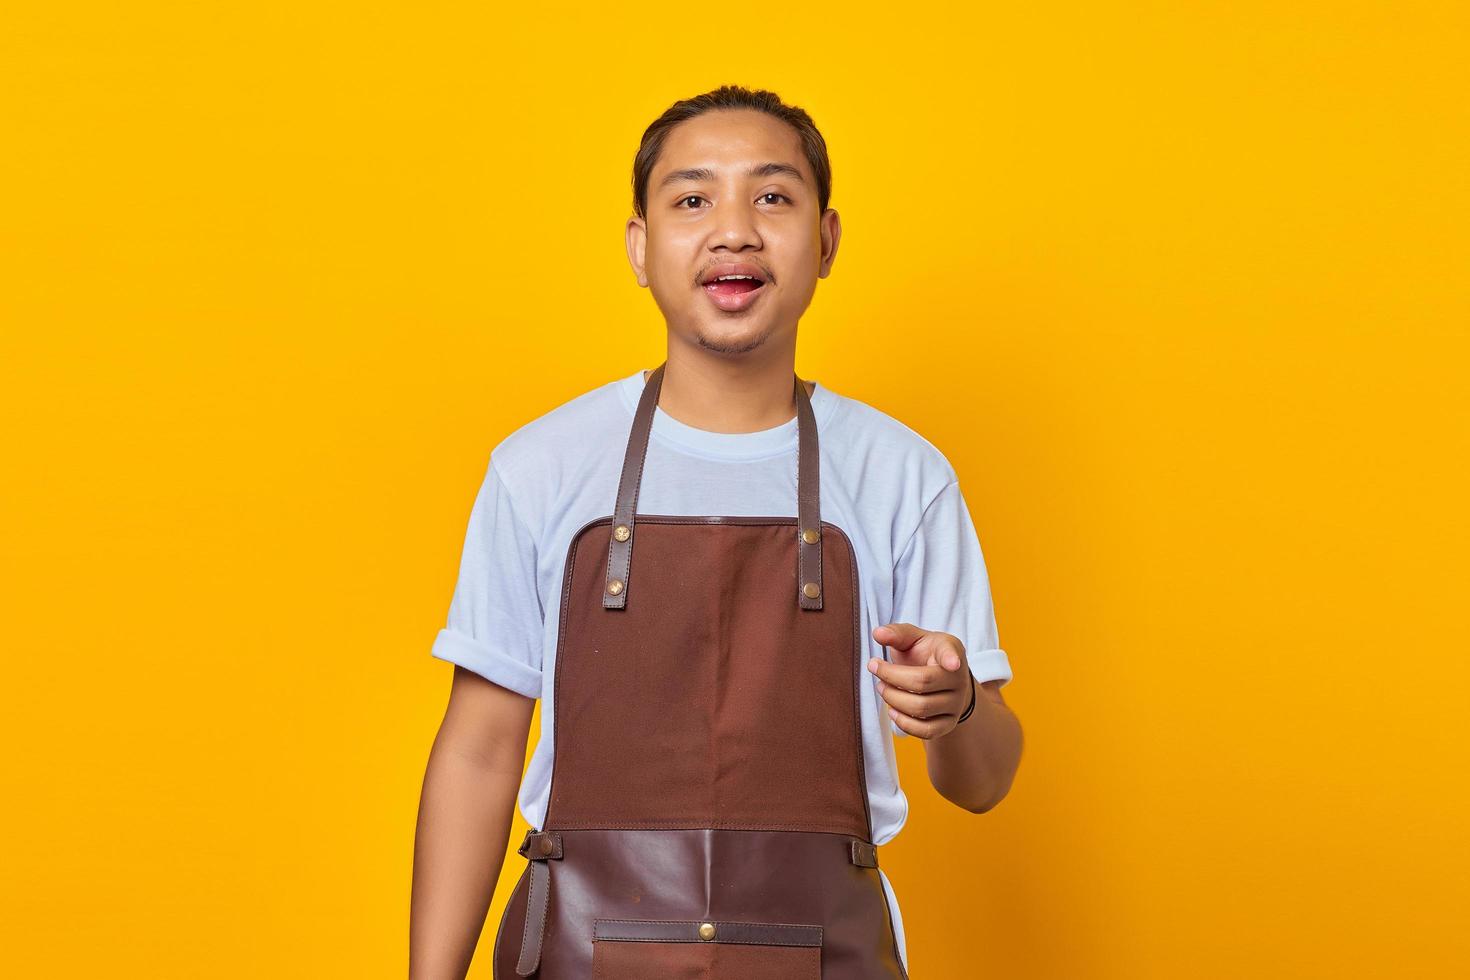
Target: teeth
{"x": 723, "y": 278}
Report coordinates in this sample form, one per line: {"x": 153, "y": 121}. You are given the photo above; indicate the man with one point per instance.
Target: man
{"x": 707, "y": 723}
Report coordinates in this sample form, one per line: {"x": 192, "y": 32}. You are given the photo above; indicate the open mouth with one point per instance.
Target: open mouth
{"x": 733, "y": 285}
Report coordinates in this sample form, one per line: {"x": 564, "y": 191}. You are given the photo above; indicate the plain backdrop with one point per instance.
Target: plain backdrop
{"x": 1180, "y": 289}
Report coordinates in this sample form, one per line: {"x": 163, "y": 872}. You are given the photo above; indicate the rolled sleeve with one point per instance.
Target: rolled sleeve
{"x": 496, "y": 617}
{"x": 489, "y": 663}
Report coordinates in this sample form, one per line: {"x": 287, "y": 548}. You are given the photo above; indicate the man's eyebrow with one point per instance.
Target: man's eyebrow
{"x": 705, "y": 173}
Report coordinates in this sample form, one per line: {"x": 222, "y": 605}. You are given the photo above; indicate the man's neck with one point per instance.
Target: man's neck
{"x": 723, "y": 404}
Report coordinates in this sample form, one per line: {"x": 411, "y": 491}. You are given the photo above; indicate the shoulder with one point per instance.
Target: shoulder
{"x": 540, "y": 453}
{"x": 864, "y": 436}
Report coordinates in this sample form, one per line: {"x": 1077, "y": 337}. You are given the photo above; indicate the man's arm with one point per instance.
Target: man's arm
{"x": 973, "y": 764}
{"x": 926, "y": 689}
{"x": 465, "y": 813}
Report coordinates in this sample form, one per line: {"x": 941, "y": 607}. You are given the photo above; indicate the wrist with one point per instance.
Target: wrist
{"x": 974, "y": 696}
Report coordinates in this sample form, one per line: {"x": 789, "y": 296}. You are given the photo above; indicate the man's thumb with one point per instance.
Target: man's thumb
{"x": 950, "y": 660}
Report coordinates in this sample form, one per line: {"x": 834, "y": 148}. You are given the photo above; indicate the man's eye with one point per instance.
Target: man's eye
{"x": 696, "y": 198}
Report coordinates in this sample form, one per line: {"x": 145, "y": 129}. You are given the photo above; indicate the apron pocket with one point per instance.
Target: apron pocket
{"x": 693, "y": 949}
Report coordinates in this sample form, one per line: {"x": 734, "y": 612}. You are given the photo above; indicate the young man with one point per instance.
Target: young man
{"x": 731, "y": 588}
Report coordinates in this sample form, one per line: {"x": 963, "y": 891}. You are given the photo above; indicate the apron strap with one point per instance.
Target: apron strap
{"x": 808, "y": 500}
{"x": 538, "y": 848}
{"x": 808, "y": 508}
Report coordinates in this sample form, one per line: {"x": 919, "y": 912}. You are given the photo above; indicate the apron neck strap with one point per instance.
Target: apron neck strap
{"x": 808, "y": 508}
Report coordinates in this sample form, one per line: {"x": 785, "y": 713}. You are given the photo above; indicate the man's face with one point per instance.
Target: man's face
{"x": 708, "y": 214}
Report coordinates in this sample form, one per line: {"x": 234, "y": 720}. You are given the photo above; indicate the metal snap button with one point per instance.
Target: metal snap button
{"x": 810, "y": 535}
{"x": 811, "y": 590}
{"x": 706, "y": 931}
{"x": 615, "y": 587}
{"x": 545, "y": 846}
{"x": 621, "y": 532}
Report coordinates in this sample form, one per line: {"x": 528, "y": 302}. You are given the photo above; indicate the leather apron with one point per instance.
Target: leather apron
{"x": 708, "y": 813}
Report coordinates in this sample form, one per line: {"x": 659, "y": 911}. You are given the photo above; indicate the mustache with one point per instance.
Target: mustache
{"x": 699, "y": 276}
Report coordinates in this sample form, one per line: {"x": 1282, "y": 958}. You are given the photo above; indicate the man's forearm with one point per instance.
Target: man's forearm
{"x": 465, "y": 813}
{"x": 972, "y": 765}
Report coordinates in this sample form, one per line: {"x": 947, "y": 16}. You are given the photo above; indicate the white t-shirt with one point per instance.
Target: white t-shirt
{"x": 892, "y": 492}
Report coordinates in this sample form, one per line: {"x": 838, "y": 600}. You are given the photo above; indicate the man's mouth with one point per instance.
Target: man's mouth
{"x": 731, "y": 284}
{"x": 733, "y": 278}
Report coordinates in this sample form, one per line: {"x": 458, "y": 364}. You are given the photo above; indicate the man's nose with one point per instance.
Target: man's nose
{"x": 735, "y": 225}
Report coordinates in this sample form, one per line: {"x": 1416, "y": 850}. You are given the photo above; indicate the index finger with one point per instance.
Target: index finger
{"x": 917, "y": 678}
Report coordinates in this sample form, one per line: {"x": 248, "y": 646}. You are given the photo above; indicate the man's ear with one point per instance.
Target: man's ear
{"x": 830, "y": 226}
{"x": 637, "y": 237}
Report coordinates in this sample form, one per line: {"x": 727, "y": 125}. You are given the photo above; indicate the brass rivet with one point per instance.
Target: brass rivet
{"x": 810, "y": 535}
{"x": 615, "y": 586}
{"x": 811, "y": 590}
{"x": 706, "y": 931}
{"x": 621, "y": 532}
{"x": 545, "y": 846}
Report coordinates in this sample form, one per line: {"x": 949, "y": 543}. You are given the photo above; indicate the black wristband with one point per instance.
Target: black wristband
{"x": 973, "y": 694}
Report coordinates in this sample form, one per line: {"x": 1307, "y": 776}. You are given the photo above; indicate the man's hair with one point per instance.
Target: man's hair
{"x": 731, "y": 97}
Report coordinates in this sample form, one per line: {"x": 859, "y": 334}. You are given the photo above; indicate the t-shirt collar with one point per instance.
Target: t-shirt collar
{"x": 762, "y": 443}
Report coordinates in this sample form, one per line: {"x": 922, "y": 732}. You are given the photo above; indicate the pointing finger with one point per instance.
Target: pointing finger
{"x": 900, "y": 636}
{"x": 918, "y": 678}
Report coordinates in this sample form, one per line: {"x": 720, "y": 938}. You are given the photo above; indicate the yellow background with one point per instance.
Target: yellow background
{"x": 1179, "y": 288}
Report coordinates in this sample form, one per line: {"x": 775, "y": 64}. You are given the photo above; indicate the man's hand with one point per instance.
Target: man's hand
{"x": 927, "y": 686}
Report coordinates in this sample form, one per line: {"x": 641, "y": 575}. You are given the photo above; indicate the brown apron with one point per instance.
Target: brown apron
{"x": 708, "y": 814}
